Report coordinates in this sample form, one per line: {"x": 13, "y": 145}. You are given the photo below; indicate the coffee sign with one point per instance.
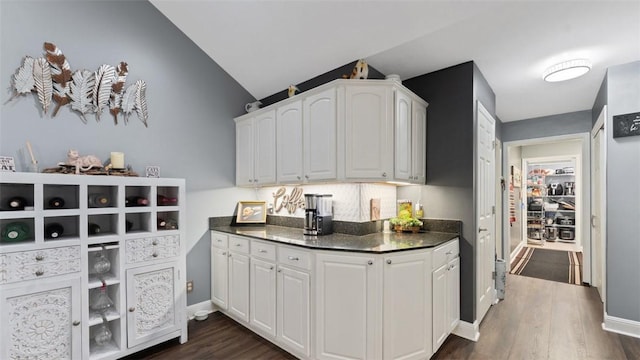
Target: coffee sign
{"x": 291, "y": 202}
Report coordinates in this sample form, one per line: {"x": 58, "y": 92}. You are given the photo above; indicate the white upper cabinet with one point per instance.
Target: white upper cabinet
{"x": 289, "y": 147}
{"x": 319, "y": 127}
{"x": 256, "y": 150}
{"x": 410, "y": 138}
{"x": 368, "y": 122}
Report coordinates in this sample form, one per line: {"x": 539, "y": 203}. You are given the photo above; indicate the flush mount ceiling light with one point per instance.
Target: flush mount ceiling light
{"x": 567, "y": 70}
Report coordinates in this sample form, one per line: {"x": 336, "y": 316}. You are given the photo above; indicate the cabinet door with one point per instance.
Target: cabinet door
{"x": 239, "y": 286}
{"x": 244, "y": 152}
{"x": 440, "y": 298}
{"x": 219, "y": 277}
{"x": 403, "y": 137}
{"x": 368, "y": 132}
{"x": 151, "y": 302}
{"x": 263, "y": 296}
{"x": 453, "y": 283}
{"x": 419, "y": 142}
{"x": 407, "y": 309}
{"x": 319, "y": 116}
{"x": 348, "y": 307}
{"x": 294, "y": 310}
{"x": 41, "y": 321}
{"x": 289, "y": 146}
{"x": 264, "y": 148}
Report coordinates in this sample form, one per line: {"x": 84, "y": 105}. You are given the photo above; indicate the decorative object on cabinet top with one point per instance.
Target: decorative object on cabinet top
{"x": 292, "y": 90}
{"x": 89, "y": 165}
{"x": 52, "y": 79}
{"x": 360, "y": 71}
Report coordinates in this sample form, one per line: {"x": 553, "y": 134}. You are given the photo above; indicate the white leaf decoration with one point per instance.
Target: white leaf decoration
{"x": 43, "y": 82}
{"x": 116, "y": 90}
{"x": 81, "y": 94}
{"x": 102, "y": 89}
{"x": 141, "y": 102}
{"x": 129, "y": 101}
{"x": 23, "y": 81}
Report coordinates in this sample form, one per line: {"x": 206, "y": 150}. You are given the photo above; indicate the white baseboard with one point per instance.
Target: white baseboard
{"x": 205, "y": 305}
{"x": 621, "y": 326}
{"x": 467, "y": 330}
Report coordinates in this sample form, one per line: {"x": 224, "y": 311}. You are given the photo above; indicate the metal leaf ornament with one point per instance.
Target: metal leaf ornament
{"x": 60, "y": 74}
{"x": 141, "y": 102}
{"x": 43, "y": 82}
{"x": 102, "y": 89}
{"x": 81, "y": 94}
{"x": 23, "y": 81}
{"x": 116, "y": 90}
{"x": 129, "y": 101}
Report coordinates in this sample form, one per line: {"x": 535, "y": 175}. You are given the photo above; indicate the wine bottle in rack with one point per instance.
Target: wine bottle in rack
{"x": 56, "y": 202}
{"x": 16, "y": 203}
{"x": 15, "y": 231}
{"x": 128, "y": 225}
{"x": 53, "y": 231}
{"x": 94, "y": 229}
{"x": 136, "y": 201}
{"x": 162, "y": 223}
{"x": 99, "y": 200}
{"x": 167, "y": 201}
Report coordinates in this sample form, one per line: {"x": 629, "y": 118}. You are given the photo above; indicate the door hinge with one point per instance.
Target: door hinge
{"x": 493, "y": 145}
{"x": 493, "y": 210}
{"x": 493, "y": 275}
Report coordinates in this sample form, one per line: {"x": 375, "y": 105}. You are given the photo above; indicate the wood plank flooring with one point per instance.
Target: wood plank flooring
{"x": 538, "y": 319}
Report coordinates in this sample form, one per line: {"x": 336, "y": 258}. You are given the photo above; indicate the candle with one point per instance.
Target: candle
{"x": 117, "y": 160}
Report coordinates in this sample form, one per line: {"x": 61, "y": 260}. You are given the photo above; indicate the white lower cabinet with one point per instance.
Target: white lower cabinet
{"x": 294, "y": 310}
{"x": 151, "y": 302}
{"x": 41, "y": 320}
{"x": 263, "y": 296}
{"x": 348, "y": 324}
{"x": 220, "y": 277}
{"x": 446, "y": 292}
{"x": 239, "y": 286}
{"x": 406, "y": 310}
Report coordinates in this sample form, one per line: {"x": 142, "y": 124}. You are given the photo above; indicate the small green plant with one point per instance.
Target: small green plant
{"x": 405, "y": 222}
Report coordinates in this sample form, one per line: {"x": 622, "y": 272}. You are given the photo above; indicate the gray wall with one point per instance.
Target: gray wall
{"x": 191, "y": 100}
{"x": 452, "y": 94}
{"x": 623, "y": 197}
{"x": 553, "y": 125}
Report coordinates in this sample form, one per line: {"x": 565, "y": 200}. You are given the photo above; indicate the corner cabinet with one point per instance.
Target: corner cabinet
{"x": 91, "y": 267}
{"x": 446, "y": 292}
{"x": 345, "y": 130}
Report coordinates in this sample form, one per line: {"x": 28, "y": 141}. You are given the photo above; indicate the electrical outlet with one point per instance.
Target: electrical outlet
{"x": 189, "y": 286}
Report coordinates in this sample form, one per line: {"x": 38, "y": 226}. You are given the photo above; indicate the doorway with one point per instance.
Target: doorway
{"x": 565, "y": 224}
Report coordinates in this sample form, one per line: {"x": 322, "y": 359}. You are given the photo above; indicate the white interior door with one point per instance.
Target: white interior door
{"x": 597, "y": 206}
{"x": 485, "y": 211}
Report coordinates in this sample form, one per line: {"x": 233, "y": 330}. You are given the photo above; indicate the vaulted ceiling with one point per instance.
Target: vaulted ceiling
{"x": 267, "y": 45}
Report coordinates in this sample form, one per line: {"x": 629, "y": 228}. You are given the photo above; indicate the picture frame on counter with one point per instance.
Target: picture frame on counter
{"x": 252, "y": 212}
{"x": 7, "y": 164}
{"x": 152, "y": 171}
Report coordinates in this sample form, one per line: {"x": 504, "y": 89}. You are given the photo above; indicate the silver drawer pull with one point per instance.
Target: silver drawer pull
{"x": 388, "y": 261}
{"x": 449, "y": 252}
{"x": 132, "y": 309}
{"x": 238, "y": 244}
{"x": 224, "y": 253}
{"x": 370, "y": 262}
{"x": 39, "y": 257}
{"x": 76, "y": 323}
{"x": 262, "y": 251}
{"x": 39, "y": 272}
{"x": 293, "y": 258}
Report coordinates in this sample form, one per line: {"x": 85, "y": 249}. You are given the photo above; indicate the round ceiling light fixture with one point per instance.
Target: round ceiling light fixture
{"x": 567, "y": 70}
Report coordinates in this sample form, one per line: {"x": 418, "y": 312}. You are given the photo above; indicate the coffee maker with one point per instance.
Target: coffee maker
{"x": 318, "y": 214}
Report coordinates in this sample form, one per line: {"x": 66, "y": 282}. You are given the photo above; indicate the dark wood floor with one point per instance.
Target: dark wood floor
{"x": 538, "y": 319}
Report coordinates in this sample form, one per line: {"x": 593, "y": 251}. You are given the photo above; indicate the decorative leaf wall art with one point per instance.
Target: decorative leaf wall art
{"x": 52, "y": 79}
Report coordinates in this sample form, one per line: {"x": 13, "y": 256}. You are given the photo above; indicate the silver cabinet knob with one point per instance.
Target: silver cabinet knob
{"x": 39, "y": 257}
{"x": 388, "y": 261}
{"x": 224, "y": 253}
{"x": 155, "y": 254}
{"x": 76, "y": 323}
{"x": 271, "y": 268}
{"x": 155, "y": 242}
{"x": 250, "y": 180}
{"x": 306, "y": 177}
{"x": 255, "y": 180}
{"x": 39, "y": 272}
{"x": 384, "y": 174}
{"x": 370, "y": 262}
{"x": 132, "y": 309}
{"x": 298, "y": 177}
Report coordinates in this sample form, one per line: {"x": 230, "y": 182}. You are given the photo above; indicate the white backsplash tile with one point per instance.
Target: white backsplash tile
{"x": 351, "y": 202}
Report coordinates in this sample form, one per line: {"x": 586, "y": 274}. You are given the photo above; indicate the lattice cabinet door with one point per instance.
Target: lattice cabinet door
{"x": 151, "y": 302}
{"x": 41, "y": 320}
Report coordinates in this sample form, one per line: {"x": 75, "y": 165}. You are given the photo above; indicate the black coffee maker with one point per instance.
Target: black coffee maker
{"x": 318, "y": 214}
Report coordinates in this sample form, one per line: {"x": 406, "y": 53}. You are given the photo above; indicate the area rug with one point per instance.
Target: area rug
{"x": 554, "y": 265}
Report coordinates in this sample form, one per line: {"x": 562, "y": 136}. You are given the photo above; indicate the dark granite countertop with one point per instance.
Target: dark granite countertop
{"x": 379, "y": 242}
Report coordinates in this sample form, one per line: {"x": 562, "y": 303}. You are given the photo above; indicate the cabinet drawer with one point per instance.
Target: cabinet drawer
{"x": 294, "y": 257}
{"x": 263, "y": 250}
{"x": 33, "y": 264}
{"x": 239, "y": 245}
{"x": 219, "y": 240}
{"x": 152, "y": 248}
{"x": 443, "y": 253}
